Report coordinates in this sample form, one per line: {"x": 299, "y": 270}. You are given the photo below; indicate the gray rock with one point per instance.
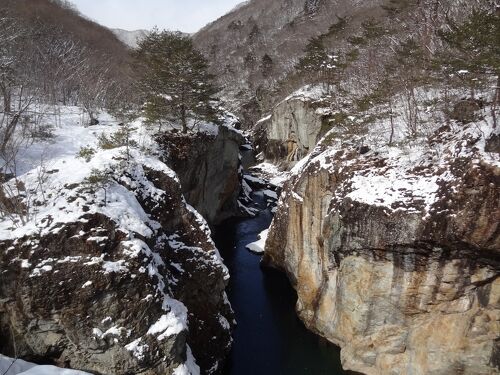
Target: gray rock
{"x": 208, "y": 168}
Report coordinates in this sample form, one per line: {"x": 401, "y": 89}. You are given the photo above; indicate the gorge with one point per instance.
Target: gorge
{"x": 300, "y": 187}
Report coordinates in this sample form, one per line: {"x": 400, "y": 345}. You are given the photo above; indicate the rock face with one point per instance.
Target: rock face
{"x": 302, "y": 115}
{"x": 208, "y": 167}
{"x": 395, "y": 256}
{"x": 131, "y": 286}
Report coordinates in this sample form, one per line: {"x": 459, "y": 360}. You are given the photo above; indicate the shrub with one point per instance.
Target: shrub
{"x": 86, "y": 153}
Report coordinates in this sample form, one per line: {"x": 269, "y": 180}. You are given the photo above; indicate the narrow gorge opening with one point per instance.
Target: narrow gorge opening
{"x": 269, "y": 337}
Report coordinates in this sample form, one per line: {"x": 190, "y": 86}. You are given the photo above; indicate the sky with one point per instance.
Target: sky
{"x": 185, "y": 15}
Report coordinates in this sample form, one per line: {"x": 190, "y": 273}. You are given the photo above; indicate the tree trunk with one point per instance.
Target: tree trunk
{"x": 391, "y": 138}
{"x": 184, "y": 119}
{"x": 8, "y": 133}
{"x": 6, "y": 100}
{"x": 496, "y": 100}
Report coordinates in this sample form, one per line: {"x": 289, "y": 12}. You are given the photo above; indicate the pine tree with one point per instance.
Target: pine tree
{"x": 320, "y": 64}
{"x": 315, "y": 56}
{"x": 475, "y": 48}
{"x": 175, "y": 79}
{"x": 266, "y": 65}
{"x": 98, "y": 179}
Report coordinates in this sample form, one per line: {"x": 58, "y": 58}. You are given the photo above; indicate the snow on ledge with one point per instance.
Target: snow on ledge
{"x": 189, "y": 367}
{"x": 172, "y": 323}
{"x": 20, "y": 367}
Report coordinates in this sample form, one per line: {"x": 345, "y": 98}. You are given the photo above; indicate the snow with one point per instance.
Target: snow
{"x": 20, "y": 367}
{"x": 68, "y": 170}
{"x": 272, "y": 173}
{"x": 189, "y": 367}
{"x": 264, "y": 119}
{"x": 308, "y": 92}
{"x": 270, "y": 194}
{"x": 87, "y": 284}
{"x": 172, "y": 323}
{"x": 408, "y": 175}
{"x": 138, "y": 350}
{"x": 259, "y": 245}
{"x": 394, "y": 187}
{"x": 118, "y": 266}
{"x": 62, "y": 200}
{"x": 224, "y": 323}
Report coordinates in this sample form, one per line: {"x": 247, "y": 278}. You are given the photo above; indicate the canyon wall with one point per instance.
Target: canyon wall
{"x": 301, "y": 117}
{"x": 208, "y": 167}
{"x": 395, "y": 254}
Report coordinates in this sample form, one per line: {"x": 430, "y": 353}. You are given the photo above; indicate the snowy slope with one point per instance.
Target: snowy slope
{"x": 137, "y": 192}
{"x": 130, "y": 38}
{"x": 10, "y": 366}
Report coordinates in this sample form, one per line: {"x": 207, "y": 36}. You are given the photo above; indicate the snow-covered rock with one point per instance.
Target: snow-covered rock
{"x": 258, "y": 246}
{"x": 116, "y": 274}
{"x": 393, "y": 249}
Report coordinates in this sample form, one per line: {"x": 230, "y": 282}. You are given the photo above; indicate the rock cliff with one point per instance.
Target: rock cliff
{"x": 301, "y": 116}
{"x": 395, "y": 251}
{"x": 208, "y": 167}
{"x": 110, "y": 271}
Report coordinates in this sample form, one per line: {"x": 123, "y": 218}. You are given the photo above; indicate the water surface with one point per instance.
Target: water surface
{"x": 269, "y": 338}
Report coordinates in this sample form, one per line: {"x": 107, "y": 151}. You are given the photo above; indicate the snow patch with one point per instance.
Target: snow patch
{"x": 259, "y": 245}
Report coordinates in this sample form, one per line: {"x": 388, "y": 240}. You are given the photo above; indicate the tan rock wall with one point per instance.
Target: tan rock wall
{"x": 399, "y": 292}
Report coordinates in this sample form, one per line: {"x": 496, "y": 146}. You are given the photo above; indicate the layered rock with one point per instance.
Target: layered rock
{"x": 116, "y": 278}
{"x": 395, "y": 253}
{"x": 208, "y": 167}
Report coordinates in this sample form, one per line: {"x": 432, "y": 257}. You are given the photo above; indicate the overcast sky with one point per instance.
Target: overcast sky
{"x": 184, "y": 15}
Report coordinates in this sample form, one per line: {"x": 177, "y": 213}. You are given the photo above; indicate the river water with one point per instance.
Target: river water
{"x": 269, "y": 338}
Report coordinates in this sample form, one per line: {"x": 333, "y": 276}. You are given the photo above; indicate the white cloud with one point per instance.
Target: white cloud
{"x": 184, "y": 15}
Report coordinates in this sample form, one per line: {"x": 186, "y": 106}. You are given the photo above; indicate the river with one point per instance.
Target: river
{"x": 269, "y": 338}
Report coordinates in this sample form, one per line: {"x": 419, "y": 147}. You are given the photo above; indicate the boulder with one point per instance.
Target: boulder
{"x": 131, "y": 286}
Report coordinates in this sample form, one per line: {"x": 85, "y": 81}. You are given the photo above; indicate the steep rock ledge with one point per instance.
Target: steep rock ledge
{"x": 115, "y": 288}
{"x": 301, "y": 116}
{"x": 395, "y": 257}
{"x": 208, "y": 167}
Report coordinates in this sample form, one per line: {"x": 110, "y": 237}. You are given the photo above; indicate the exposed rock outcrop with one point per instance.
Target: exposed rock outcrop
{"x": 123, "y": 283}
{"x": 395, "y": 253}
{"x": 208, "y": 167}
{"x": 301, "y": 117}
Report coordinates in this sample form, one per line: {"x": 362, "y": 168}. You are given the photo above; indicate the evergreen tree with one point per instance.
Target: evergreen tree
{"x": 474, "y": 48}
{"x": 175, "y": 79}
{"x": 315, "y": 56}
{"x": 266, "y": 65}
{"x": 320, "y": 64}
{"x": 98, "y": 179}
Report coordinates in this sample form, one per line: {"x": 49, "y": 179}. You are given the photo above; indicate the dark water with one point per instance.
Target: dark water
{"x": 269, "y": 338}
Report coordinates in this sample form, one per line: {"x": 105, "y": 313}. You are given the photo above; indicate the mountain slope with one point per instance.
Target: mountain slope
{"x": 130, "y": 38}
{"x": 56, "y": 14}
{"x": 237, "y": 43}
